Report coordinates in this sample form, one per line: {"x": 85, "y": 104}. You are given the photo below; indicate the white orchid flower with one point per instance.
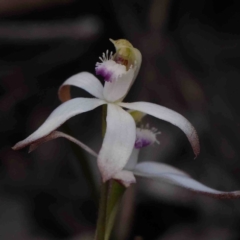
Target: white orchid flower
{"x": 148, "y": 169}
{"x": 119, "y": 71}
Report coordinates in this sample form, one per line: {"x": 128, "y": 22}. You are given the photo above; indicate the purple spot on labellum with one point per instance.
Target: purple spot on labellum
{"x": 140, "y": 143}
{"x": 104, "y": 73}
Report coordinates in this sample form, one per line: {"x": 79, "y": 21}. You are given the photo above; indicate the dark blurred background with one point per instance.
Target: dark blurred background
{"x": 191, "y": 63}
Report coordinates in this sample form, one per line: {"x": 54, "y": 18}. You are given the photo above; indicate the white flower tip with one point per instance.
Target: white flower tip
{"x": 19, "y": 145}
{"x": 26, "y": 142}
{"x": 33, "y": 143}
{"x": 15, "y": 147}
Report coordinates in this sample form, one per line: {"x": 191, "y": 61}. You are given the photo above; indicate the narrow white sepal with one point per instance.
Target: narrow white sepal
{"x": 126, "y": 178}
{"x": 58, "y": 134}
{"x": 60, "y": 115}
{"x": 168, "y": 115}
{"x": 84, "y": 80}
{"x": 118, "y": 142}
{"x": 113, "y": 91}
{"x": 163, "y": 172}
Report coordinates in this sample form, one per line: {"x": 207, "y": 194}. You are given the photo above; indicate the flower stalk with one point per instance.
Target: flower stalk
{"x": 111, "y": 195}
{"x": 101, "y": 221}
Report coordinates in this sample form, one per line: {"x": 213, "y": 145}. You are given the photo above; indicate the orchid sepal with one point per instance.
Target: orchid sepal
{"x": 169, "y": 174}
{"x": 60, "y": 115}
{"x": 168, "y": 115}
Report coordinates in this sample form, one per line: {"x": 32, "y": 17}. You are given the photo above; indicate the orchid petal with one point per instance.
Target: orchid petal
{"x": 126, "y": 178}
{"x": 60, "y": 115}
{"x": 57, "y": 134}
{"x": 84, "y": 80}
{"x": 160, "y": 171}
{"x": 168, "y": 115}
{"x": 118, "y": 142}
{"x": 116, "y": 90}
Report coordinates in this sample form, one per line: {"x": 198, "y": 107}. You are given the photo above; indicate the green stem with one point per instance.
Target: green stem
{"x": 111, "y": 193}
{"x": 101, "y": 222}
{"x": 115, "y": 193}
